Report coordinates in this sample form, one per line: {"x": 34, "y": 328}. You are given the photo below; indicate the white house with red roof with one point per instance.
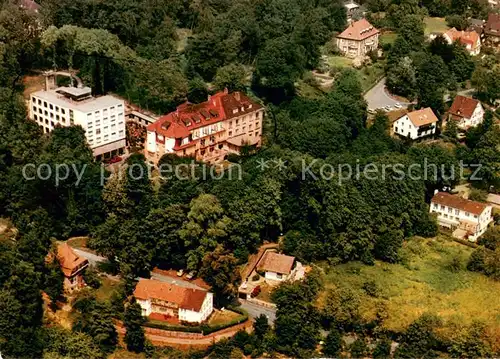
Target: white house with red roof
{"x": 416, "y": 124}
{"x": 468, "y": 219}
{"x": 72, "y": 266}
{"x": 470, "y": 39}
{"x": 164, "y": 301}
{"x": 358, "y": 39}
{"x": 276, "y": 266}
{"x": 209, "y": 131}
{"x": 466, "y": 112}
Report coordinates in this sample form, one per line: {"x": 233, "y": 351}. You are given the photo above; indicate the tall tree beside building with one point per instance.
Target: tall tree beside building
{"x": 134, "y": 336}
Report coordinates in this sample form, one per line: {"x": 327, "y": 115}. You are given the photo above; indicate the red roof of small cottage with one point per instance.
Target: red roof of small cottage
{"x": 277, "y": 263}
{"x": 465, "y": 37}
{"x": 358, "y": 30}
{"x": 463, "y": 106}
{"x": 68, "y": 259}
{"x": 185, "y": 298}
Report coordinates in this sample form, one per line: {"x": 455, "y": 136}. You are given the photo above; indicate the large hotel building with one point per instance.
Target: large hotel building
{"x": 208, "y": 131}
{"x": 102, "y": 118}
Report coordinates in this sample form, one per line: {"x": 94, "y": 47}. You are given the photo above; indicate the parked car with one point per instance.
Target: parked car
{"x": 191, "y": 275}
{"x": 112, "y": 160}
{"x": 180, "y": 272}
{"x": 371, "y": 110}
{"x": 388, "y": 108}
{"x": 398, "y": 105}
{"x": 256, "y": 291}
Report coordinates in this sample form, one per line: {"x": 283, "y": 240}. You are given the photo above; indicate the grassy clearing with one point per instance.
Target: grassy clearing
{"x": 435, "y": 24}
{"x": 388, "y": 38}
{"x": 369, "y": 75}
{"x": 107, "y": 288}
{"x": 183, "y": 35}
{"x": 78, "y": 242}
{"x": 424, "y": 283}
{"x": 265, "y": 292}
{"x": 338, "y": 61}
{"x": 219, "y": 317}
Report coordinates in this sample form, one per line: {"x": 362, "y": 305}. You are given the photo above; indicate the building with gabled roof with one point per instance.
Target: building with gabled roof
{"x": 209, "y": 131}
{"x": 466, "y": 112}
{"x": 358, "y": 39}
{"x": 468, "y": 219}
{"x": 162, "y": 300}
{"x": 416, "y": 124}
{"x": 72, "y": 266}
{"x": 492, "y": 28}
{"x": 276, "y": 266}
{"x": 470, "y": 39}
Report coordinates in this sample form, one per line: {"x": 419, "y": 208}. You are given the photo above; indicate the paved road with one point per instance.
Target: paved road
{"x": 255, "y": 310}
{"x": 92, "y": 258}
{"x": 377, "y": 97}
{"x": 176, "y": 281}
{"x": 95, "y": 259}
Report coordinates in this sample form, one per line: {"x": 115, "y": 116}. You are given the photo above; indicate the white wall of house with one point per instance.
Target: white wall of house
{"x": 103, "y": 126}
{"x": 449, "y": 217}
{"x": 198, "y": 317}
{"x": 275, "y": 276}
{"x": 404, "y": 127}
{"x": 476, "y": 118}
{"x": 145, "y": 306}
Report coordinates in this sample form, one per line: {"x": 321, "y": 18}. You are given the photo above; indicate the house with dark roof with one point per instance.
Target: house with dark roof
{"x": 492, "y": 28}
{"x": 416, "y": 124}
{"x": 166, "y": 301}
{"x": 358, "y": 39}
{"x": 466, "y": 112}
{"x": 468, "y": 219}
{"x": 224, "y": 124}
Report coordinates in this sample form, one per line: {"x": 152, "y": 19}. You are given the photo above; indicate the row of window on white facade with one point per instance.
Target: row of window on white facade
{"x": 450, "y": 210}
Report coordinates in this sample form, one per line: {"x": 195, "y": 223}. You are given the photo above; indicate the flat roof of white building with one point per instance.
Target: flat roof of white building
{"x": 88, "y": 105}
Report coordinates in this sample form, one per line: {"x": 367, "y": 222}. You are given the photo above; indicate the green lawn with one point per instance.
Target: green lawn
{"x": 338, "y": 61}
{"x": 425, "y": 283}
{"x": 107, "y": 288}
{"x": 435, "y": 24}
{"x": 387, "y": 38}
{"x": 369, "y": 75}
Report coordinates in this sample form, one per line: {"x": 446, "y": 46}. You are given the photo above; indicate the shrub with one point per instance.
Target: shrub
{"x": 371, "y": 288}
{"x": 91, "y": 277}
{"x": 255, "y": 277}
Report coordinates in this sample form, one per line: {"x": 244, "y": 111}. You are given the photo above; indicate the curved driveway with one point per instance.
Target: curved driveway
{"x": 377, "y": 97}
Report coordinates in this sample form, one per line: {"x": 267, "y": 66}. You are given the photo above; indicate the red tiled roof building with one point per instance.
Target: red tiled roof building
{"x": 359, "y": 38}
{"x": 172, "y": 302}
{"x": 209, "y": 131}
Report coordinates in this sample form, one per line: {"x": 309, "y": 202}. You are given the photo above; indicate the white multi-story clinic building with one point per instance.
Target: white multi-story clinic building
{"x": 102, "y": 118}
{"x": 467, "y": 219}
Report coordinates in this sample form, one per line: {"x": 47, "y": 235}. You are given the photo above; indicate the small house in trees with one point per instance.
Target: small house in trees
{"x": 171, "y": 302}
{"x": 468, "y": 219}
{"x": 72, "y": 266}
{"x": 416, "y": 124}
{"x": 492, "y": 28}
{"x": 470, "y": 39}
{"x": 276, "y": 266}
{"x": 358, "y": 39}
{"x": 466, "y": 112}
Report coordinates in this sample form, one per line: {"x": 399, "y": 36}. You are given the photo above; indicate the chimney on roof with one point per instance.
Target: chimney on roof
{"x": 226, "y": 91}
{"x": 237, "y": 95}
{"x": 209, "y": 97}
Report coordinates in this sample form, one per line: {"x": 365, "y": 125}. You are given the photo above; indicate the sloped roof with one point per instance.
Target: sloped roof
{"x": 463, "y": 106}
{"x": 447, "y": 199}
{"x": 185, "y": 298}
{"x": 465, "y": 37}
{"x": 277, "y": 263}
{"x": 358, "y": 30}
{"x": 422, "y": 117}
{"x": 187, "y": 117}
{"x": 492, "y": 25}
{"x": 68, "y": 259}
